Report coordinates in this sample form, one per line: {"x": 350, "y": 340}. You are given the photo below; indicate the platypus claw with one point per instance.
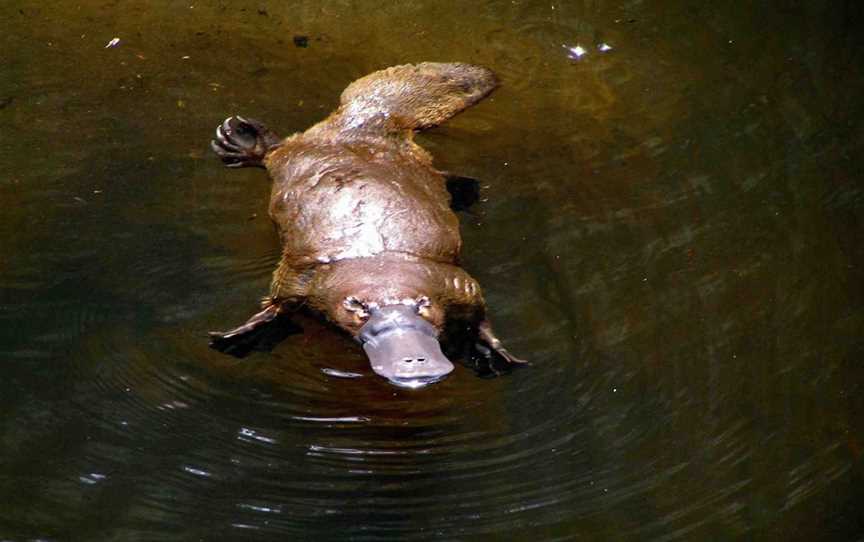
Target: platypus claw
{"x": 510, "y": 358}
{"x": 242, "y": 142}
{"x": 490, "y": 349}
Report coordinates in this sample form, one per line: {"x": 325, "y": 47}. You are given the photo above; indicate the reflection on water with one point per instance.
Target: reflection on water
{"x": 670, "y": 231}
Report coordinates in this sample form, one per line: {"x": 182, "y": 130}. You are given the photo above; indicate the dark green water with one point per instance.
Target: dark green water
{"x": 671, "y": 231}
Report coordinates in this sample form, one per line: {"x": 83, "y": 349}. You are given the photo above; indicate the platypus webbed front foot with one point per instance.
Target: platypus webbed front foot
{"x": 242, "y": 142}
{"x": 263, "y": 331}
{"x": 490, "y": 349}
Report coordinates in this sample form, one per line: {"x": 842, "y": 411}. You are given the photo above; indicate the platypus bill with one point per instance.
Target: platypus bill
{"x": 369, "y": 238}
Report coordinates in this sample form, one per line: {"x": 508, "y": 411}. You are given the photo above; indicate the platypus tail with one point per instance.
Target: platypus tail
{"x": 414, "y": 96}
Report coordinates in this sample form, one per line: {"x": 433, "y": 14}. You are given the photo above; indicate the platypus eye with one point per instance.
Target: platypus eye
{"x": 423, "y": 305}
{"x": 357, "y": 307}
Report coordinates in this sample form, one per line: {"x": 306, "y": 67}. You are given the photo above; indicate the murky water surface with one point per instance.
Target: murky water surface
{"x": 671, "y": 231}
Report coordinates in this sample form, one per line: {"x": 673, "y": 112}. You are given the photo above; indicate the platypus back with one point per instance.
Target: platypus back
{"x": 355, "y": 185}
{"x": 412, "y": 96}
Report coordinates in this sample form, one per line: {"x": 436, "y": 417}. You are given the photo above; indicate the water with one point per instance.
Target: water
{"x": 670, "y": 231}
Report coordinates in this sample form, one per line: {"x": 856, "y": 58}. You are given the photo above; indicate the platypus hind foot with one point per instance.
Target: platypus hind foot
{"x": 242, "y": 142}
{"x": 464, "y": 191}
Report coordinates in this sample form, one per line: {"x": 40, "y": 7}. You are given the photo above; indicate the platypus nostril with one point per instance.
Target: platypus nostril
{"x": 413, "y": 360}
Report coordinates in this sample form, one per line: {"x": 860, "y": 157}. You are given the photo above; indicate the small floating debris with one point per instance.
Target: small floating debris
{"x": 113, "y": 43}
{"x": 301, "y": 41}
{"x": 574, "y": 52}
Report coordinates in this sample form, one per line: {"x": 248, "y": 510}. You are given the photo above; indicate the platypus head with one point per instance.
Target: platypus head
{"x": 403, "y": 346}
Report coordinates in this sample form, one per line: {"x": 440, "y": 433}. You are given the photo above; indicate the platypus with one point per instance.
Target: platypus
{"x": 370, "y": 240}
